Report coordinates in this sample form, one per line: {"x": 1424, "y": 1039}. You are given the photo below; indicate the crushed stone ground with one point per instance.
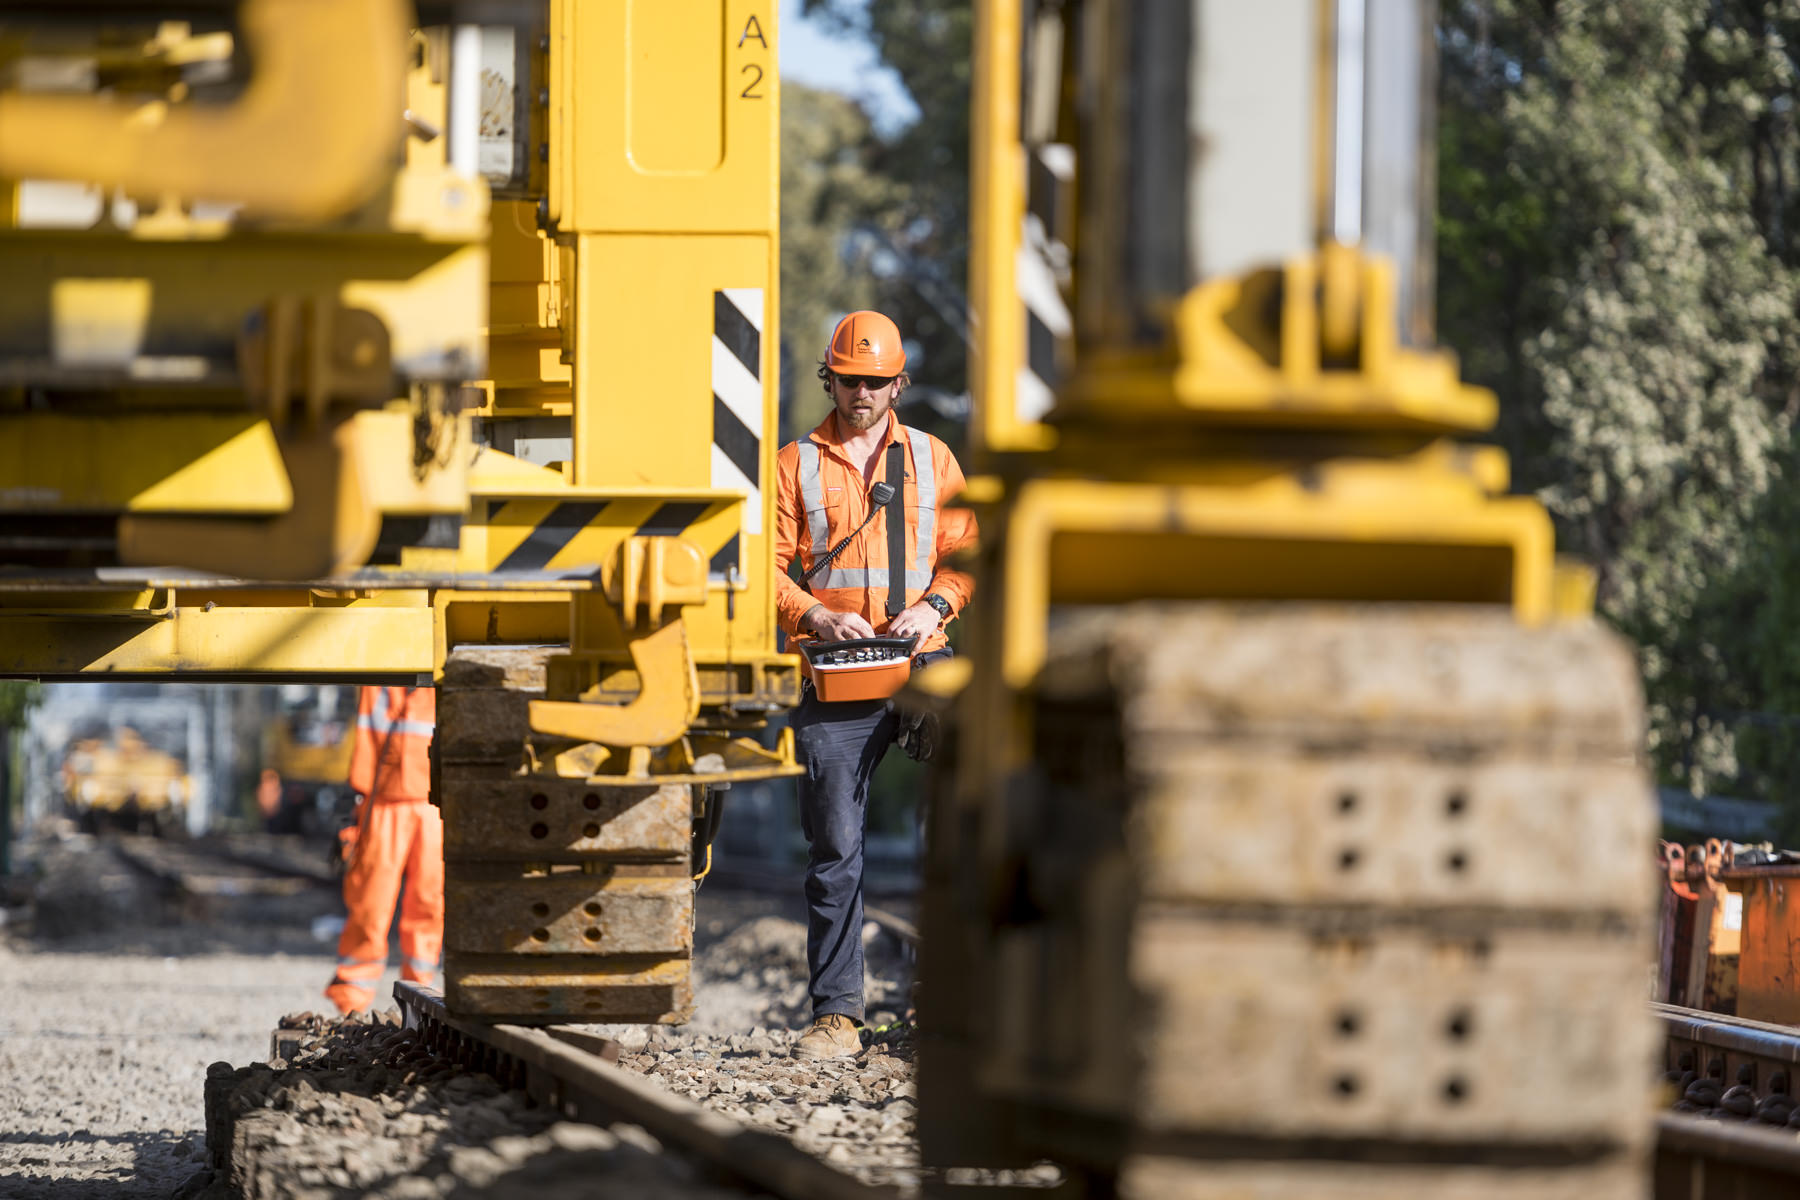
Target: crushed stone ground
{"x": 114, "y": 997}
{"x": 362, "y": 1109}
{"x": 736, "y": 1056}
{"x": 119, "y": 1000}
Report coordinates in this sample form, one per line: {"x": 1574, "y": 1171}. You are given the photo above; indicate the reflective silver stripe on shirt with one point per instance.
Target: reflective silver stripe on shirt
{"x": 377, "y": 720}
{"x": 422, "y": 729}
{"x": 926, "y": 544}
{"x": 812, "y": 497}
{"x": 423, "y": 964}
{"x": 868, "y": 577}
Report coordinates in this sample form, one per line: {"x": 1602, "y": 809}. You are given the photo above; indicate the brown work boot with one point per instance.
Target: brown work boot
{"x": 831, "y": 1036}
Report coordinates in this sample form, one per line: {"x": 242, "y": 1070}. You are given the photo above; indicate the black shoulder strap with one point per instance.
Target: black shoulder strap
{"x": 896, "y": 530}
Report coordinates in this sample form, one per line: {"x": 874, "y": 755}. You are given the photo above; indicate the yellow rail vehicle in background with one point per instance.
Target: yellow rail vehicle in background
{"x": 363, "y": 343}
{"x": 307, "y": 744}
{"x": 121, "y": 782}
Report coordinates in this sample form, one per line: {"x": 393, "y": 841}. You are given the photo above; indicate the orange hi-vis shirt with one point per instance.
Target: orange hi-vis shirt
{"x": 392, "y": 756}
{"x": 821, "y": 496}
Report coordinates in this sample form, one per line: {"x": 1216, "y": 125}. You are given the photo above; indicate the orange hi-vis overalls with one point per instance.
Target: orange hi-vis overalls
{"x": 821, "y": 496}
{"x": 400, "y": 834}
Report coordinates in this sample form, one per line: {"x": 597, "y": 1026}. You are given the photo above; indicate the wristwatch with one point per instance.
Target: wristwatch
{"x": 942, "y": 605}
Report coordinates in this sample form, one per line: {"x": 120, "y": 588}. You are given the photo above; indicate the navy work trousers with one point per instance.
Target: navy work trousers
{"x": 840, "y": 745}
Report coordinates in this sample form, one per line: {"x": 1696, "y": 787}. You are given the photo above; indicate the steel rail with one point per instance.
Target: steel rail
{"x": 1729, "y": 1143}
{"x": 582, "y": 1085}
{"x": 1716, "y": 1153}
{"x": 178, "y": 864}
{"x": 278, "y": 864}
{"x": 894, "y": 923}
{"x": 751, "y": 878}
{"x": 1755, "y": 1039}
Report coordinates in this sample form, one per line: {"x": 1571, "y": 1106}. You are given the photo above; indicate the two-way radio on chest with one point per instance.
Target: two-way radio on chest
{"x": 887, "y": 496}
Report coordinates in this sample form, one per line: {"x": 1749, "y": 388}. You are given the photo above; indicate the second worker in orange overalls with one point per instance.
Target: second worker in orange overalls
{"x": 399, "y": 836}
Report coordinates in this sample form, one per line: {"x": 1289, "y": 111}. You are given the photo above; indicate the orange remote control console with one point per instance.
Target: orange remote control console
{"x": 860, "y": 669}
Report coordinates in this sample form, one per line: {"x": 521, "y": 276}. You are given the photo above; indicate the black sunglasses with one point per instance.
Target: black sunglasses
{"x": 872, "y": 382}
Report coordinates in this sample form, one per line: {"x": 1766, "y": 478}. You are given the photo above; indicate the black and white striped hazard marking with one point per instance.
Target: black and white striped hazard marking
{"x": 738, "y": 397}
{"x": 1048, "y": 322}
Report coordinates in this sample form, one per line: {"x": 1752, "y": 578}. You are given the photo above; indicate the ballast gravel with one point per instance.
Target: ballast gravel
{"x": 116, "y": 1002}
{"x": 736, "y": 1057}
{"x": 113, "y": 1000}
{"x": 364, "y": 1110}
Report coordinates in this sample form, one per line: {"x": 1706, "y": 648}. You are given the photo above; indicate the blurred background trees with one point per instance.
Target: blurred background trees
{"x": 1617, "y": 260}
{"x": 880, "y": 221}
{"x": 17, "y": 699}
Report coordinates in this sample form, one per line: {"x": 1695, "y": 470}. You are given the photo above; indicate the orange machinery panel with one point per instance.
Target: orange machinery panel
{"x": 1768, "y": 984}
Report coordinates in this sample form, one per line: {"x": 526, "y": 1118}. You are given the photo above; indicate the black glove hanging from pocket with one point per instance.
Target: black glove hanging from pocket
{"x": 919, "y": 731}
{"x": 918, "y": 734}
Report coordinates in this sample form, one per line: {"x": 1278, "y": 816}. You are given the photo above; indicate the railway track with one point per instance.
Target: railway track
{"x": 1730, "y": 1089}
{"x": 1732, "y": 1131}
{"x": 894, "y": 923}
{"x": 572, "y": 1072}
{"x": 217, "y": 867}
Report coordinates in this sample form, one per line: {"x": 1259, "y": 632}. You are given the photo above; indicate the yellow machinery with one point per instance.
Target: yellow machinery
{"x": 351, "y": 342}
{"x": 1289, "y": 846}
{"x": 394, "y": 346}
{"x": 312, "y": 762}
{"x": 306, "y": 752}
{"x": 123, "y": 782}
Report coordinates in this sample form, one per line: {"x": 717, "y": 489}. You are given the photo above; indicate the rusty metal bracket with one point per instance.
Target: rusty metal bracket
{"x": 1673, "y": 858}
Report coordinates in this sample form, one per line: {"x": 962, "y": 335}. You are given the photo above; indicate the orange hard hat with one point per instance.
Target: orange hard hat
{"x": 866, "y": 343}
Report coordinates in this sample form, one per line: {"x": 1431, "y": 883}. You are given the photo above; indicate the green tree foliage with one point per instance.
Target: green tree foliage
{"x": 827, "y": 191}
{"x": 17, "y": 699}
{"x": 880, "y": 220}
{"x": 1615, "y": 262}
{"x": 903, "y": 244}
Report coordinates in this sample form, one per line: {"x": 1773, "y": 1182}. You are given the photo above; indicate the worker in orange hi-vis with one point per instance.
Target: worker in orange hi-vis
{"x": 863, "y": 578}
{"x": 399, "y": 835}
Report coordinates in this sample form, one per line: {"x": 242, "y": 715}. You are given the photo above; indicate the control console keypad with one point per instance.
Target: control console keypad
{"x": 860, "y": 652}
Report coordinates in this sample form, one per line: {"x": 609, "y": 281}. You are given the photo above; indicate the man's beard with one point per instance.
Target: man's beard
{"x": 862, "y": 422}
